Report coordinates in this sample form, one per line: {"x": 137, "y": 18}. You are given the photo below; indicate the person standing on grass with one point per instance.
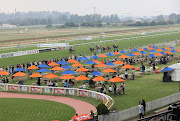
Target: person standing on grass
{"x": 141, "y": 111}
{"x": 133, "y": 73}
{"x": 144, "y": 105}
{"x": 126, "y": 74}
{"x": 114, "y": 86}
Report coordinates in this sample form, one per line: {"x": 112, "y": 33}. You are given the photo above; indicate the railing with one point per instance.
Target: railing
{"x": 107, "y": 100}
{"x": 134, "y": 111}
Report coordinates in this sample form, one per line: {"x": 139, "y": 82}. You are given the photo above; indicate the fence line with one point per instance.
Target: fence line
{"x": 134, "y": 111}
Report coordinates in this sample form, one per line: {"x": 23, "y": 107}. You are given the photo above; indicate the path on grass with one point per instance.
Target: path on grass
{"x": 80, "y": 106}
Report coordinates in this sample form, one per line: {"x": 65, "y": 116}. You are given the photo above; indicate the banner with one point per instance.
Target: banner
{"x": 35, "y": 89}
{"x": 71, "y": 92}
{"x": 83, "y": 117}
{"x": 6, "y": 55}
{"x": 83, "y": 93}
{"x": 93, "y": 95}
{"x": 59, "y": 91}
{"x": 53, "y": 45}
{"x": 24, "y": 88}
{"x": 47, "y": 90}
{"x": 13, "y": 88}
{"x": 101, "y": 97}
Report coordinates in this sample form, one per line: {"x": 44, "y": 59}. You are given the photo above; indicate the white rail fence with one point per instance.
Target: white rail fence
{"x": 107, "y": 100}
{"x": 134, "y": 111}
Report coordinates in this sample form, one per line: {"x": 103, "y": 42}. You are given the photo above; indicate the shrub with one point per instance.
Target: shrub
{"x": 102, "y": 109}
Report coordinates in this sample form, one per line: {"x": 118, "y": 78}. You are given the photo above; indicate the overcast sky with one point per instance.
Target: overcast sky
{"x": 104, "y": 7}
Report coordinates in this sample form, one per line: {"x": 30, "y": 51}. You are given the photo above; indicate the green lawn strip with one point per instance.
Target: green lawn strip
{"x": 19, "y": 109}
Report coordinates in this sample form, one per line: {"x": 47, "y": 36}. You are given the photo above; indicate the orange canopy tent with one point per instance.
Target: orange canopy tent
{"x": 123, "y": 56}
{"x": 116, "y": 53}
{"x": 102, "y": 56}
{"x": 109, "y": 70}
{"x": 119, "y": 62}
{"x": 57, "y": 68}
{"x": 128, "y": 66}
{"x": 53, "y": 64}
{"x": 167, "y": 48}
{"x": 168, "y": 52}
{"x": 50, "y": 75}
{"x": 158, "y": 54}
{"x": 141, "y": 49}
{"x": 33, "y": 67}
{"x": 36, "y": 75}
{"x": 178, "y": 50}
{"x": 137, "y": 53}
{"x": 150, "y": 48}
{"x": 72, "y": 61}
{"x": 77, "y": 64}
{"x": 67, "y": 76}
{"x": 82, "y": 77}
{"x": 4, "y": 73}
{"x": 117, "y": 79}
{"x": 159, "y": 49}
{"x": 99, "y": 78}
{"x": 19, "y": 74}
{"x": 100, "y": 65}
{"x": 82, "y": 69}
{"x": 96, "y": 61}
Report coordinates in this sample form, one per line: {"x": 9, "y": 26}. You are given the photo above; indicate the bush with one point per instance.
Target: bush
{"x": 102, "y": 109}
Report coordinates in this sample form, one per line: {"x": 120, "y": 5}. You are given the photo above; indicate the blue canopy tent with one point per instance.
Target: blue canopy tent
{"x": 82, "y": 58}
{"x": 110, "y": 63}
{"x": 62, "y": 62}
{"x": 109, "y": 54}
{"x": 95, "y": 73}
{"x": 163, "y": 49}
{"x": 66, "y": 66}
{"x": 85, "y": 58}
{"x": 152, "y": 51}
{"x": 90, "y": 62}
{"x": 166, "y": 69}
{"x": 143, "y": 52}
{"x": 43, "y": 66}
{"x": 19, "y": 69}
{"x": 152, "y": 55}
{"x": 173, "y": 51}
{"x": 155, "y": 47}
{"x": 145, "y": 49}
{"x": 95, "y": 57}
{"x": 130, "y": 54}
{"x": 172, "y": 47}
{"x": 43, "y": 70}
{"x": 123, "y": 51}
{"x": 163, "y": 53}
{"x": 135, "y": 50}
{"x": 68, "y": 72}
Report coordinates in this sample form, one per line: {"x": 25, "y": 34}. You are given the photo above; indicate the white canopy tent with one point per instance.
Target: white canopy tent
{"x": 175, "y": 74}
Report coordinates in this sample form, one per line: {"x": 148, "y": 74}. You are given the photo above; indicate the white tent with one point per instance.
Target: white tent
{"x": 175, "y": 74}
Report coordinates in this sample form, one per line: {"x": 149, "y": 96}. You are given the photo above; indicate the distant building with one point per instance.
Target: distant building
{"x": 8, "y": 26}
{"x": 137, "y": 20}
{"x": 166, "y": 17}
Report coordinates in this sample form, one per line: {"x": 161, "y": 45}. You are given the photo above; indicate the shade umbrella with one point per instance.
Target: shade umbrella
{"x": 109, "y": 54}
{"x": 82, "y": 77}
{"x": 163, "y": 53}
{"x": 4, "y": 73}
{"x": 90, "y": 62}
{"x": 155, "y": 47}
{"x": 152, "y": 55}
{"x": 33, "y": 67}
{"x": 137, "y": 53}
{"x": 85, "y": 58}
{"x": 135, "y": 50}
{"x": 50, "y": 75}
{"x": 143, "y": 52}
{"x": 128, "y": 66}
{"x": 77, "y": 64}
{"x": 123, "y": 56}
{"x": 53, "y": 64}
{"x": 145, "y": 49}
{"x": 96, "y": 61}
{"x": 57, "y": 68}
{"x": 150, "y": 48}
{"x": 19, "y": 74}
{"x": 82, "y": 58}
{"x": 153, "y": 51}
{"x": 159, "y": 49}
{"x": 109, "y": 70}
{"x": 95, "y": 73}
{"x": 173, "y": 51}
{"x": 95, "y": 57}
{"x": 62, "y": 62}
{"x": 43, "y": 66}
{"x": 36, "y": 75}
{"x": 172, "y": 47}
{"x": 19, "y": 69}
{"x": 158, "y": 54}
{"x": 130, "y": 54}
{"x": 110, "y": 63}
{"x": 82, "y": 69}
{"x": 101, "y": 65}
{"x": 72, "y": 61}
{"x": 123, "y": 51}
{"x": 141, "y": 49}
{"x": 66, "y": 67}
{"x": 119, "y": 62}
{"x": 168, "y": 52}
{"x": 67, "y": 76}
{"x": 43, "y": 70}
{"x": 117, "y": 79}
{"x": 99, "y": 78}
{"x": 116, "y": 53}
{"x": 68, "y": 72}
{"x": 178, "y": 50}
{"x": 166, "y": 69}
{"x": 164, "y": 49}
{"x": 102, "y": 56}
{"x": 167, "y": 48}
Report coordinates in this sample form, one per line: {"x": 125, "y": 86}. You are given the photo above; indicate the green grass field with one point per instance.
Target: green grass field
{"x": 18, "y": 109}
